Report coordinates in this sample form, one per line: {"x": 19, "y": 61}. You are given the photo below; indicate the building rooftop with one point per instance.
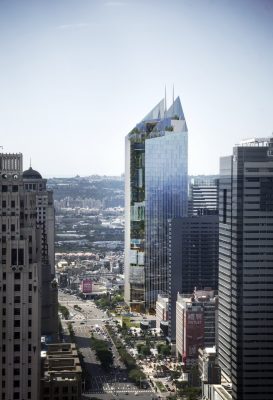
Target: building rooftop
{"x": 31, "y": 174}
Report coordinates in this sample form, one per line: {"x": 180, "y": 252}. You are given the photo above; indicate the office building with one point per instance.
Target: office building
{"x": 155, "y": 191}
{"x": 195, "y": 324}
{"x": 20, "y": 283}
{"x": 193, "y": 258}
{"x": 203, "y": 196}
{"x": 61, "y": 373}
{"x": 209, "y": 369}
{"x": 33, "y": 182}
{"x": 245, "y": 269}
{"x": 28, "y": 295}
{"x": 162, "y": 305}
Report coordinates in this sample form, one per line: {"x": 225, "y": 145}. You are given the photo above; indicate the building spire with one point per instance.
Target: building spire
{"x": 165, "y": 102}
{"x": 173, "y": 92}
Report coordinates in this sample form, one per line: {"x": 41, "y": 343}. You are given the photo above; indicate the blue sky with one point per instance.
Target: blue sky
{"x": 77, "y": 75}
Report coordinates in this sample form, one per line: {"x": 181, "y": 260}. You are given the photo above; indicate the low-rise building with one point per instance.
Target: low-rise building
{"x": 195, "y": 324}
{"x": 62, "y": 373}
{"x": 162, "y": 305}
{"x": 209, "y": 370}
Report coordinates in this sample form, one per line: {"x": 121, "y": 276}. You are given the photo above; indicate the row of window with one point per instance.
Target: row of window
{"x": 16, "y": 347}
{"x": 16, "y": 335}
{"x": 17, "y": 275}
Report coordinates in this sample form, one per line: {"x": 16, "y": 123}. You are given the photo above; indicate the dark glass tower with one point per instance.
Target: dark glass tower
{"x": 155, "y": 191}
{"x": 246, "y": 270}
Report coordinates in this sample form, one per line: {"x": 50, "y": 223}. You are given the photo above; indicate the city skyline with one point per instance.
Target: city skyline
{"x": 74, "y": 75}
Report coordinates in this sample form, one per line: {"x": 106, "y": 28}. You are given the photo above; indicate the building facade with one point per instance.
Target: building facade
{"x": 193, "y": 258}
{"x": 155, "y": 191}
{"x": 45, "y": 217}
{"x": 61, "y": 373}
{"x": 245, "y": 270}
{"x": 203, "y": 196}
{"x": 21, "y": 284}
{"x": 195, "y": 324}
{"x": 162, "y": 306}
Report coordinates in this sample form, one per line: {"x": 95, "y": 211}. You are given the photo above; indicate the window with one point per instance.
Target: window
{"x": 16, "y": 371}
{"x": 15, "y": 188}
{"x": 21, "y": 257}
{"x": 17, "y": 311}
{"x": 30, "y": 287}
{"x": 4, "y": 251}
{"x": 16, "y": 395}
{"x": 4, "y": 203}
{"x": 17, "y": 287}
{"x": 29, "y": 371}
{"x": 12, "y": 203}
{"x": 29, "y": 347}
{"x": 29, "y": 322}
{"x": 30, "y": 299}
{"x": 29, "y": 335}
{"x": 12, "y": 227}
{"x": 29, "y": 312}
{"x": 17, "y": 323}
{"x": 4, "y": 228}
{"x": 14, "y": 256}
{"x": 16, "y": 335}
{"x": 16, "y": 347}
{"x": 17, "y": 275}
{"x": 17, "y": 299}
{"x": 16, "y": 383}
{"x": 30, "y": 275}
{"x": 4, "y": 188}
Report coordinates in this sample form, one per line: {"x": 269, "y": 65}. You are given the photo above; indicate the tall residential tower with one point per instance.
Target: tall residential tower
{"x": 156, "y": 176}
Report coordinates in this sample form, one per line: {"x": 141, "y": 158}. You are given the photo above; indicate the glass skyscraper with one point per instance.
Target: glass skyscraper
{"x": 156, "y": 176}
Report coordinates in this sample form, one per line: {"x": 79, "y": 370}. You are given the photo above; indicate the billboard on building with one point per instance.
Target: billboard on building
{"x": 86, "y": 286}
{"x": 194, "y": 333}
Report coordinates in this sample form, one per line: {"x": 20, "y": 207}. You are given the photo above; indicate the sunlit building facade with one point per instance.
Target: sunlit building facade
{"x": 155, "y": 191}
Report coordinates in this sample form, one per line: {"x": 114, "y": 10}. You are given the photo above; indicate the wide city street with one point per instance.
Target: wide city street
{"x": 87, "y": 321}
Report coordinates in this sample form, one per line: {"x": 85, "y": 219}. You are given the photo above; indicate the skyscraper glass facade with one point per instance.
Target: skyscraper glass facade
{"x": 155, "y": 191}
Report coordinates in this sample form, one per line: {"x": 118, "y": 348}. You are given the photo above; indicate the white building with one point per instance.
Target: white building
{"x": 162, "y": 305}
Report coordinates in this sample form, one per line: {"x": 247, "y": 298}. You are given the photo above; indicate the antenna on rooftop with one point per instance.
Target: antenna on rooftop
{"x": 173, "y": 93}
{"x": 30, "y": 162}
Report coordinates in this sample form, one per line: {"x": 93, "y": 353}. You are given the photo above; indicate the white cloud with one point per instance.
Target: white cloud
{"x": 72, "y": 26}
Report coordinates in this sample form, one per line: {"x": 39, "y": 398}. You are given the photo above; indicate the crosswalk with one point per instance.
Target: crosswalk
{"x": 116, "y": 390}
